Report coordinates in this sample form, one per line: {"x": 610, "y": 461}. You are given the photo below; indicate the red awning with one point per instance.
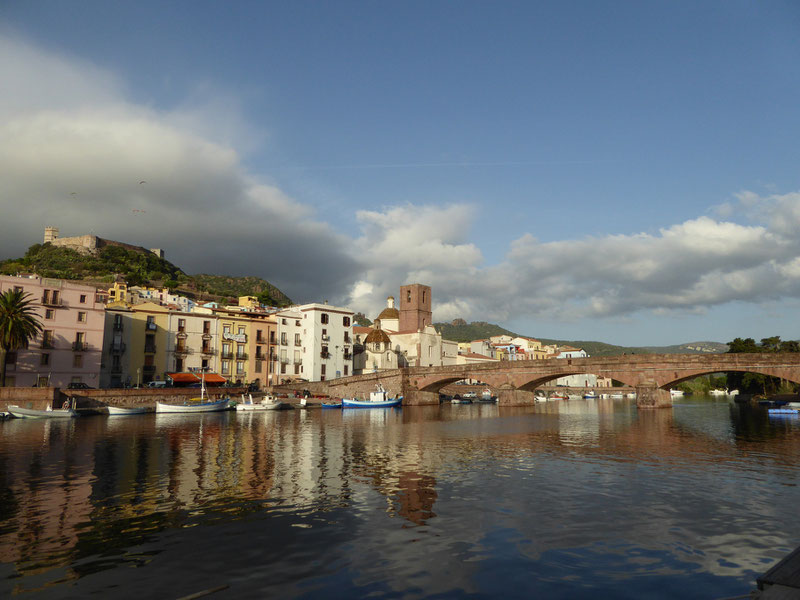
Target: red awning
{"x": 194, "y": 378}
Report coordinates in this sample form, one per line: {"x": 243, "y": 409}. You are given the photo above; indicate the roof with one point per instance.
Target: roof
{"x": 194, "y": 378}
{"x": 377, "y": 335}
{"x": 476, "y": 355}
{"x": 360, "y": 329}
{"x": 389, "y": 313}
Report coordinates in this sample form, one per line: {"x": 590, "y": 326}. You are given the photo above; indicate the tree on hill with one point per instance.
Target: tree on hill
{"x": 18, "y": 325}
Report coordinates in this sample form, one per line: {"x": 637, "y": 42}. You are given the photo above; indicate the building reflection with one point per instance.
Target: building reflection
{"x": 85, "y": 487}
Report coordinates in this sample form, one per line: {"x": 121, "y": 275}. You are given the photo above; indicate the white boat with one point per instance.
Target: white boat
{"x": 119, "y": 411}
{"x": 460, "y": 401}
{"x": 539, "y": 398}
{"x": 195, "y": 405}
{"x": 617, "y": 395}
{"x": 733, "y": 393}
{"x": 34, "y": 413}
{"x": 674, "y": 393}
{"x": 267, "y": 403}
{"x": 377, "y": 399}
{"x": 718, "y": 392}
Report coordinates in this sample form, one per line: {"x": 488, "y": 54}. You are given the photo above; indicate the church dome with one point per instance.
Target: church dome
{"x": 389, "y": 313}
{"x": 377, "y": 335}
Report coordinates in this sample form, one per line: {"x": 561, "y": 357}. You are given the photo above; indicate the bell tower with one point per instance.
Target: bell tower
{"x": 415, "y": 307}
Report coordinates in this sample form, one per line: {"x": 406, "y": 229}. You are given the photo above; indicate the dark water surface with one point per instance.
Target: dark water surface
{"x": 579, "y": 499}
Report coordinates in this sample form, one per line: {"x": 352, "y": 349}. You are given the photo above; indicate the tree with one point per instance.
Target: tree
{"x": 18, "y": 325}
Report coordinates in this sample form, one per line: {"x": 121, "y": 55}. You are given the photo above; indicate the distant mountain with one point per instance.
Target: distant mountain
{"x": 138, "y": 267}
{"x": 461, "y": 331}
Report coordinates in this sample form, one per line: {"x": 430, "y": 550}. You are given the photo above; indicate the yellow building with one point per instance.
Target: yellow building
{"x": 149, "y": 337}
{"x": 118, "y": 293}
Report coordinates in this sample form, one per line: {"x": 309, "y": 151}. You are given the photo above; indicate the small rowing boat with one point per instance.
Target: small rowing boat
{"x": 119, "y": 411}
{"x": 34, "y": 413}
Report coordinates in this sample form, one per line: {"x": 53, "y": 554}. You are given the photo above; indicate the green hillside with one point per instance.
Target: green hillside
{"x": 138, "y": 267}
{"x": 461, "y": 331}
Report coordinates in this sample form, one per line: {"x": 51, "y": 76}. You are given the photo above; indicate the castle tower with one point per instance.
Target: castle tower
{"x": 415, "y": 307}
{"x": 50, "y": 234}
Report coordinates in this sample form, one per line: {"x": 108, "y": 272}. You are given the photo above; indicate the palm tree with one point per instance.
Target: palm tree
{"x": 18, "y": 325}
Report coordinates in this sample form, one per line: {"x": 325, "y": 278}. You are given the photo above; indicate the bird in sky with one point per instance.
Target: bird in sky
{"x": 142, "y": 181}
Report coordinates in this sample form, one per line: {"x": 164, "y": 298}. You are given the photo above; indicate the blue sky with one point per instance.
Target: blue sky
{"x": 622, "y": 171}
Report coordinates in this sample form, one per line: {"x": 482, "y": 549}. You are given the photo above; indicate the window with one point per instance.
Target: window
{"x": 239, "y": 367}
{"x": 181, "y": 324}
{"x": 283, "y": 321}
{"x": 283, "y": 338}
{"x": 423, "y": 296}
{"x": 179, "y": 364}
{"x": 45, "y": 360}
{"x": 259, "y": 335}
{"x": 49, "y": 313}
{"x": 408, "y": 297}
{"x": 297, "y": 323}
{"x": 296, "y": 369}
{"x": 240, "y": 330}
{"x": 346, "y": 321}
{"x": 151, "y": 322}
{"x": 296, "y": 339}
{"x": 83, "y": 299}
{"x": 206, "y": 327}
{"x": 81, "y": 317}
{"x": 345, "y": 370}
{"x": 283, "y": 368}
{"x": 226, "y": 330}
{"x": 47, "y": 339}
{"x": 226, "y": 349}
{"x": 240, "y": 350}
{"x": 77, "y": 361}
{"x": 226, "y": 367}
{"x": 324, "y": 318}
{"x": 204, "y": 363}
{"x": 322, "y": 370}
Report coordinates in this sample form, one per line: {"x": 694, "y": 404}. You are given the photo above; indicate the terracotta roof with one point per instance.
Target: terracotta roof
{"x": 476, "y": 355}
{"x": 377, "y": 335}
{"x": 389, "y": 313}
{"x": 359, "y": 329}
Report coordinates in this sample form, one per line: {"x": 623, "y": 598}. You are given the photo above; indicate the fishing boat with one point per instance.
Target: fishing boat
{"x": 267, "y": 403}
{"x": 195, "y": 405}
{"x": 119, "y": 411}
{"x": 377, "y": 399}
{"x": 558, "y": 396}
{"x": 67, "y": 412}
{"x": 590, "y": 394}
{"x": 331, "y": 405}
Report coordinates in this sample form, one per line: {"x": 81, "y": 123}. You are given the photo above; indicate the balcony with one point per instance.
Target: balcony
{"x": 80, "y": 347}
{"x": 285, "y": 360}
{"x": 284, "y": 343}
{"x": 324, "y": 354}
{"x": 298, "y": 361}
{"x": 117, "y": 347}
{"x": 298, "y": 343}
{"x": 242, "y": 356}
{"x": 206, "y": 335}
{"x": 181, "y": 334}
{"x": 326, "y": 338}
{"x": 151, "y": 349}
{"x": 150, "y": 326}
{"x": 347, "y": 356}
{"x": 48, "y": 301}
{"x": 183, "y": 350}
{"x": 226, "y": 355}
{"x": 208, "y": 351}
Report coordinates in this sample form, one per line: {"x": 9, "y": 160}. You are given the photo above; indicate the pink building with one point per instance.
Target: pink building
{"x": 70, "y": 346}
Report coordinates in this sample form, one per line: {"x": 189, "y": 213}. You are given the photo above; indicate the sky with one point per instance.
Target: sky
{"x": 624, "y": 172}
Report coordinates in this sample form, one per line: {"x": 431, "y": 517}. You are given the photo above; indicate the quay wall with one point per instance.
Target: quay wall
{"x": 40, "y": 398}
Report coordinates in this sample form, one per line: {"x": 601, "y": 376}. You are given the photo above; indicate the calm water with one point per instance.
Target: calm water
{"x": 580, "y": 499}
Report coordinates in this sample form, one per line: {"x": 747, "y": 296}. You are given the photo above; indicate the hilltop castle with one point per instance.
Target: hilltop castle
{"x": 91, "y": 244}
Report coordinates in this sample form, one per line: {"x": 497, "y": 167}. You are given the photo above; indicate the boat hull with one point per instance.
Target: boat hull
{"x": 353, "y": 403}
{"x": 32, "y": 413}
{"x": 331, "y": 405}
{"x": 205, "y": 407}
{"x": 118, "y": 411}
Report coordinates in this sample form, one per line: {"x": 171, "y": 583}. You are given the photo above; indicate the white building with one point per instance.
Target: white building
{"x": 581, "y": 380}
{"x": 315, "y": 343}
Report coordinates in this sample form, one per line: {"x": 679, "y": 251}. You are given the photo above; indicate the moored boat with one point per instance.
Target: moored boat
{"x": 119, "y": 411}
{"x": 331, "y": 405}
{"x": 267, "y": 403}
{"x": 558, "y": 396}
{"x": 674, "y": 393}
{"x": 590, "y": 394}
{"x": 34, "y": 413}
{"x": 195, "y": 405}
{"x": 377, "y": 399}
{"x": 783, "y": 410}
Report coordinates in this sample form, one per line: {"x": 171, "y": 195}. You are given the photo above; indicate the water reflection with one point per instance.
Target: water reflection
{"x": 89, "y": 495}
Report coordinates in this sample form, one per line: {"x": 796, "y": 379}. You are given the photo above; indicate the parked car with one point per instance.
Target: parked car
{"x": 78, "y": 385}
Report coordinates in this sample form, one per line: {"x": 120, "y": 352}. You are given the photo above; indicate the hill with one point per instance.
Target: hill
{"x": 138, "y": 267}
{"x": 461, "y": 331}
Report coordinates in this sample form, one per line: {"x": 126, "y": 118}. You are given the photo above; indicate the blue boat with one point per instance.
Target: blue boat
{"x": 331, "y": 405}
{"x": 378, "y": 399}
{"x": 784, "y": 411}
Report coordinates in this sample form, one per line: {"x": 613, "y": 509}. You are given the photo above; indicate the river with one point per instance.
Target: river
{"x": 572, "y": 499}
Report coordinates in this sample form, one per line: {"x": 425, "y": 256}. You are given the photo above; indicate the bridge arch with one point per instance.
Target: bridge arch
{"x": 768, "y": 371}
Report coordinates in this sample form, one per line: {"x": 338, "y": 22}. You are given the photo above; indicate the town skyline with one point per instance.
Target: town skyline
{"x": 566, "y": 172}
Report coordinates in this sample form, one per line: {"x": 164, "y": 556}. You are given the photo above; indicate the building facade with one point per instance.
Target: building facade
{"x": 69, "y": 348}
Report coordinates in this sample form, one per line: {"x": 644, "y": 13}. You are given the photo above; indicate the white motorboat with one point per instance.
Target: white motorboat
{"x": 717, "y": 392}
{"x": 267, "y": 403}
{"x": 119, "y": 411}
{"x": 675, "y": 393}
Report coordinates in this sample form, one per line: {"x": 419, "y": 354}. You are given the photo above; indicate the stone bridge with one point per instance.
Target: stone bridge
{"x": 514, "y": 381}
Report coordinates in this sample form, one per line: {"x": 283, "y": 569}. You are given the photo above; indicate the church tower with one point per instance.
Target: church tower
{"x": 415, "y": 307}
